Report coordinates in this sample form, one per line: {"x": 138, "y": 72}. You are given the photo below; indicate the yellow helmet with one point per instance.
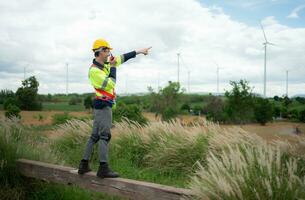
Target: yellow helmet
{"x": 100, "y": 43}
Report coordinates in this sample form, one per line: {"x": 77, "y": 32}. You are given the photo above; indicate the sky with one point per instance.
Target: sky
{"x": 41, "y": 38}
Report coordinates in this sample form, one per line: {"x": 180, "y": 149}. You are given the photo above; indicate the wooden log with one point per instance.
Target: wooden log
{"x": 127, "y": 188}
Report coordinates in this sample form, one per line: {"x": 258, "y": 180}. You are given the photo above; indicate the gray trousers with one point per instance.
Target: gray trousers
{"x": 100, "y": 133}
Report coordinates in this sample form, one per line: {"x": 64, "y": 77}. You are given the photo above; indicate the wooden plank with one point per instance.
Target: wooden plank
{"x": 127, "y": 188}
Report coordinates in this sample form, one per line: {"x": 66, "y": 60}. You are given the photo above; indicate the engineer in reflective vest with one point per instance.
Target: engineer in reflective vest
{"x": 102, "y": 76}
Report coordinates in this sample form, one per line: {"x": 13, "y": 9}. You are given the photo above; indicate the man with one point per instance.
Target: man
{"x": 102, "y": 75}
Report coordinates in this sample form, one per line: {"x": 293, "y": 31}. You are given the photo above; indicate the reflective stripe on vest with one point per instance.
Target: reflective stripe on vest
{"x": 105, "y": 94}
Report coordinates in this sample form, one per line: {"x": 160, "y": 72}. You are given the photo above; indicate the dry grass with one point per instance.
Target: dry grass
{"x": 242, "y": 165}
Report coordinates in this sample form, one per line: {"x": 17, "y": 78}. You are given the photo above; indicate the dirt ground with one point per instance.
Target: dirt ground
{"x": 281, "y": 129}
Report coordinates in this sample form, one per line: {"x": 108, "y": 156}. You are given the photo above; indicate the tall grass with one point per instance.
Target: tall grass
{"x": 216, "y": 163}
{"x": 244, "y": 166}
{"x": 18, "y": 141}
{"x": 168, "y": 147}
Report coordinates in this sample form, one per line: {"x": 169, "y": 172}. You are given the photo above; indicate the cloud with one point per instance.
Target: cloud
{"x": 50, "y": 34}
{"x": 295, "y": 12}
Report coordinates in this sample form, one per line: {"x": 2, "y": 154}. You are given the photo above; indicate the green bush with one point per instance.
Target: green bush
{"x": 185, "y": 107}
{"x": 131, "y": 112}
{"x": 215, "y": 110}
{"x": 12, "y": 111}
{"x": 27, "y": 94}
{"x": 302, "y": 115}
{"x": 263, "y": 110}
{"x": 293, "y": 114}
{"x": 5, "y": 94}
{"x": 277, "y": 111}
{"x": 169, "y": 113}
{"x": 239, "y": 106}
{"x": 61, "y": 118}
{"x": 88, "y": 102}
{"x": 284, "y": 112}
{"x": 75, "y": 100}
{"x": 10, "y": 101}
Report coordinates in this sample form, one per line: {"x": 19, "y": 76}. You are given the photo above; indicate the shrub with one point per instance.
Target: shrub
{"x": 185, "y": 107}
{"x": 263, "y": 110}
{"x": 277, "y": 111}
{"x": 293, "y": 114}
{"x": 61, "y": 118}
{"x": 12, "y": 111}
{"x": 75, "y": 100}
{"x": 10, "y": 101}
{"x": 214, "y": 110}
{"x": 88, "y": 102}
{"x": 131, "y": 112}
{"x": 302, "y": 115}
{"x": 169, "y": 113}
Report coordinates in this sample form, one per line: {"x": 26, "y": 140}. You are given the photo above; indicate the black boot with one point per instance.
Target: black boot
{"x": 83, "y": 167}
{"x": 105, "y": 172}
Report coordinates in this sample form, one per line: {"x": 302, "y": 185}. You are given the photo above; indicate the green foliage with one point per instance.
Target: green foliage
{"x": 286, "y": 101}
{"x": 165, "y": 102}
{"x": 168, "y": 113}
{"x": 12, "y": 111}
{"x": 10, "y": 101}
{"x": 276, "y": 98}
{"x": 284, "y": 112}
{"x": 75, "y": 100}
{"x": 88, "y": 102}
{"x": 277, "y": 111}
{"x": 197, "y": 110}
{"x": 61, "y": 118}
{"x": 293, "y": 114}
{"x": 302, "y": 116}
{"x": 263, "y": 110}
{"x": 27, "y": 94}
{"x": 240, "y": 106}
{"x": 214, "y": 110}
{"x": 185, "y": 107}
{"x": 131, "y": 112}
{"x": 301, "y": 100}
{"x": 4, "y": 94}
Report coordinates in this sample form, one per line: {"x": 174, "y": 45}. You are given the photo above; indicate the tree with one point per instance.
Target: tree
{"x": 27, "y": 94}
{"x": 239, "y": 105}
{"x": 287, "y": 101}
{"x": 302, "y": 116}
{"x": 10, "y": 101}
{"x": 88, "y": 102}
{"x": 276, "y": 98}
{"x": 165, "y": 102}
{"x": 263, "y": 110}
{"x": 4, "y": 94}
{"x": 214, "y": 109}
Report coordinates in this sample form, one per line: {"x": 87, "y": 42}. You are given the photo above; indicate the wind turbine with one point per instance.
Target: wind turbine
{"x": 265, "y": 60}
{"x": 217, "y": 71}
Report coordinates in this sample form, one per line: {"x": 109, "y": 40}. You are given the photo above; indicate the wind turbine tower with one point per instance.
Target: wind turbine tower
{"x": 266, "y": 43}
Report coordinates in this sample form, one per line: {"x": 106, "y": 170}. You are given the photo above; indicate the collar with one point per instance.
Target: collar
{"x": 99, "y": 65}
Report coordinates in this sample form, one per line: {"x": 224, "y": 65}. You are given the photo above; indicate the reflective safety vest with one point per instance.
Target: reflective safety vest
{"x": 101, "y": 82}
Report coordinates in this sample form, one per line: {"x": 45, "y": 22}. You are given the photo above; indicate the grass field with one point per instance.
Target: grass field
{"x": 62, "y": 106}
{"x": 202, "y": 157}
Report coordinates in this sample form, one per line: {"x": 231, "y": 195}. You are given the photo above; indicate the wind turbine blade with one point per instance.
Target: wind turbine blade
{"x": 271, "y": 43}
{"x": 264, "y": 32}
